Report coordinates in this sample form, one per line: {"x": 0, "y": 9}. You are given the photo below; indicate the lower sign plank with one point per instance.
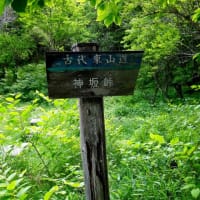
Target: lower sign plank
{"x": 80, "y": 75}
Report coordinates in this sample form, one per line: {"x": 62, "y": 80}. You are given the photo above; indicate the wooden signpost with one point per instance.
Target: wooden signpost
{"x": 90, "y": 75}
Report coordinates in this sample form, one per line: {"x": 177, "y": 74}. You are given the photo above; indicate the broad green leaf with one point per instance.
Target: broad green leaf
{"x": 188, "y": 186}
{"x": 23, "y": 197}
{"x": 118, "y": 20}
{"x": 3, "y": 185}
{"x": 10, "y": 99}
{"x": 23, "y": 191}
{"x": 108, "y": 20}
{"x": 191, "y": 150}
{"x": 157, "y": 138}
{"x": 99, "y": 3}
{"x": 195, "y": 193}
{"x": 22, "y": 173}
{"x": 18, "y": 96}
{"x": 2, "y": 136}
{"x": 3, "y": 194}
{"x": 19, "y": 5}
{"x": 51, "y": 192}
{"x": 196, "y": 56}
{"x": 108, "y": 12}
{"x": 102, "y": 14}
{"x": 6, "y": 171}
{"x": 174, "y": 141}
{"x": 11, "y": 177}
{"x": 93, "y": 2}
{"x": 12, "y": 185}
{"x": 74, "y": 184}
{"x": 2, "y": 6}
{"x": 196, "y": 16}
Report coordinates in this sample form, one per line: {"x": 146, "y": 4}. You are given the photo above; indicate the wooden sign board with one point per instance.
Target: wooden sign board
{"x": 92, "y": 74}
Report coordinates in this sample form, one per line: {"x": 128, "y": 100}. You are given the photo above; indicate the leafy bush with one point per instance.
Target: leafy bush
{"x": 31, "y": 78}
{"x": 13, "y": 184}
{"x": 15, "y": 51}
{"x": 52, "y": 169}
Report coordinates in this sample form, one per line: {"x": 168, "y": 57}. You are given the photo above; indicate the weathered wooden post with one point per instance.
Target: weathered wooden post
{"x": 93, "y": 145}
{"x": 90, "y": 75}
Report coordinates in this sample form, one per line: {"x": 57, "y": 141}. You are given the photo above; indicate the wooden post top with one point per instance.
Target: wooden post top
{"x": 81, "y": 47}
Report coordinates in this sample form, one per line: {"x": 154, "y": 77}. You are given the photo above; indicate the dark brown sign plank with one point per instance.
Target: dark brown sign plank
{"x": 78, "y": 74}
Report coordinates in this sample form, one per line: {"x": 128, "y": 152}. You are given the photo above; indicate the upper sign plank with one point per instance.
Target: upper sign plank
{"x": 89, "y": 74}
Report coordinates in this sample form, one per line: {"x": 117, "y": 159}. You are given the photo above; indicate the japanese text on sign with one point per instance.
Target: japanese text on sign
{"x": 97, "y": 59}
{"x": 93, "y": 82}
{"x": 68, "y": 61}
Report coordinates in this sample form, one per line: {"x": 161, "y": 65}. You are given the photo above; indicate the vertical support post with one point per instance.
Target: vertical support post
{"x": 93, "y": 146}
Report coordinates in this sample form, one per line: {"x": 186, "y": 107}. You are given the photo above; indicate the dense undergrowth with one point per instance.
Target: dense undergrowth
{"x": 153, "y": 151}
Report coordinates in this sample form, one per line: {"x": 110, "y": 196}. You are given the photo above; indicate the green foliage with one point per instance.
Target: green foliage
{"x": 153, "y": 149}
{"x": 20, "y": 5}
{"x": 164, "y": 29}
{"x": 158, "y": 38}
{"x": 31, "y": 78}
{"x": 107, "y": 11}
{"x": 48, "y": 195}
{"x": 149, "y": 148}
{"x": 59, "y": 24}
{"x": 15, "y": 51}
{"x": 196, "y": 16}
{"x": 12, "y": 184}
{"x": 44, "y": 148}
{"x": 3, "y": 4}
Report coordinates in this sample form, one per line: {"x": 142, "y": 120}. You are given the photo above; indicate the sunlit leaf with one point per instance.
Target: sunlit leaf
{"x": 51, "y": 192}
{"x": 196, "y": 16}
{"x": 174, "y": 141}
{"x": 108, "y": 20}
{"x": 118, "y": 20}
{"x": 2, "y": 136}
{"x": 11, "y": 177}
{"x": 157, "y": 138}
{"x": 74, "y": 184}
{"x": 22, "y": 192}
{"x": 103, "y": 13}
{"x": 22, "y": 173}
{"x": 191, "y": 150}
{"x": 188, "y": 186}
{"x": 12, "y": 185}
{"x": 3, "y": 185}
{"x": 197, "y": 57}
{"x": 195, "y": 193}
{"x": 10, "y": 99}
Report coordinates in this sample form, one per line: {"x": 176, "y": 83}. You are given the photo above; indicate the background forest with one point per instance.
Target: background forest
{"x": 153, "y": 141}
